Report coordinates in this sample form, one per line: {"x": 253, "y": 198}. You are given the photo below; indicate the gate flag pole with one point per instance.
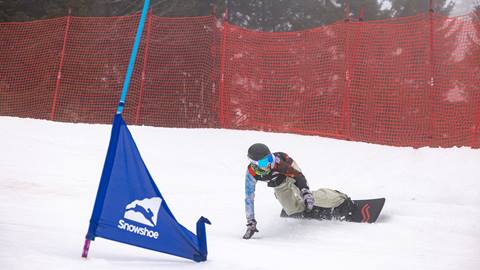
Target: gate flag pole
{"x": 133, "y": 56}
{"x": 112, "y": 147}
{"x": 129, "y": 207}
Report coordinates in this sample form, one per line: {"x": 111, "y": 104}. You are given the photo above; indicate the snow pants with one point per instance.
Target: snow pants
{"x": 291, "y": 200}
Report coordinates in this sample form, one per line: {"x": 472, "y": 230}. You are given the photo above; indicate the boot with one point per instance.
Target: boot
{"x": 344, "y": 211}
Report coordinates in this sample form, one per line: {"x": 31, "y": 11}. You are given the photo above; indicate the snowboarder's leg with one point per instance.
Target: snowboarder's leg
{"x": 332, "y": 204}
{"x": 329, "y": 203}
{"x": 289, "y": 197}
{"x": 328, "y": 198}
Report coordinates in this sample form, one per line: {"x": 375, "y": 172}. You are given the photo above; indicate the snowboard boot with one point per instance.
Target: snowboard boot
{"x": 344, "y": 211}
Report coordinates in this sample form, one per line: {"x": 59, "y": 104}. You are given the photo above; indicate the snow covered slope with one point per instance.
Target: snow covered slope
{"x": 49, "y": 175}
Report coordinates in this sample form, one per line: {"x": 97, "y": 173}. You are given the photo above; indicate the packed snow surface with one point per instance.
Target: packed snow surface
{"x": 49, "y": 175}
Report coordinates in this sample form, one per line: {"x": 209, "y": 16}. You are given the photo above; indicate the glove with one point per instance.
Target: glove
{"x": 308, "y": 199}
{"x": 251, "y": 229}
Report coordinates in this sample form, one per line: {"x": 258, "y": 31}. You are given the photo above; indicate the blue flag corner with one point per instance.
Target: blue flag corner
{"x": 130, "y": 209}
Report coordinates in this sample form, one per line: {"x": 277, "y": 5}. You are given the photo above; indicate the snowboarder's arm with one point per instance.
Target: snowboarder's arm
{"x": 250, "y": 183}
{"x": 296, "y": 173}
{"x": 289, "y": 167}
{"x": 286, "y": 165}
{"x": 300, "y": 181}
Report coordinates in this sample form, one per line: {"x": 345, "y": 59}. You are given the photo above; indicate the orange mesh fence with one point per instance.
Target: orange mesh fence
{"x": 29, "y": 63}
{"x": 389, "y": 71}
{"x": 411, "y": 81}
{"x": 181, "y": 75}
{"x": 95, "y": 61}
{"x": 454, "y": 99}
{"x": 290, "y": 82}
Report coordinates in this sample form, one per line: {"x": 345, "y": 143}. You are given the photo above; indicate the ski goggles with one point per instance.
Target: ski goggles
{"x": 259, "y": 171}
{"x": 264, "y": 162}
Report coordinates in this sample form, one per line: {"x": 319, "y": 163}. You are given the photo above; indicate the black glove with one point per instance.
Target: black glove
{"x": 308, "y": 199}
{"x": 251, "y": 229}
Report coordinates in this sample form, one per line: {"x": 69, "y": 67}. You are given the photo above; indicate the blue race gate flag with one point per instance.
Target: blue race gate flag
{"x": 130, "y": 209}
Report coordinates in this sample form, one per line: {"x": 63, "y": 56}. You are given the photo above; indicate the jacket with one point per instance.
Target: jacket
{"x": 282, "y": 167}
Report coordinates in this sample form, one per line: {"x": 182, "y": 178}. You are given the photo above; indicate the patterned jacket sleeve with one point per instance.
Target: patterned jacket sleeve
{"x": 250, "y": 183}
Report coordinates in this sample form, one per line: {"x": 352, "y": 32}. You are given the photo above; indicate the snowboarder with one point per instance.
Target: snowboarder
{"x": 290, "y": 188}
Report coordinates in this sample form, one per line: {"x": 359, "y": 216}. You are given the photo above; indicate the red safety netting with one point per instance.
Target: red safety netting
{"x": 411, "y": 81}
{"x": 29, "y": 63}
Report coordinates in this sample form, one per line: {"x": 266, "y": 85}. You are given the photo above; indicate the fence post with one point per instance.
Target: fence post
{"x": 144, "y": 68}
{"x": 345, "y": 122}
{"x": 305, "y": 71}
{"x": 62, "y": 56}
{"x": 361, "y": 16}
{"x": 430, "y": 126}
{"x": 476, "y": 128}
{"x": 222, "y": 69}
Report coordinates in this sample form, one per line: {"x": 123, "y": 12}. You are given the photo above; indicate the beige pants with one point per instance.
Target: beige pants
{"x": 292, "y": 202}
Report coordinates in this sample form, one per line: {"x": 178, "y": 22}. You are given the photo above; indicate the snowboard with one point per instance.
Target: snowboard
{"x": 366, "y": 211}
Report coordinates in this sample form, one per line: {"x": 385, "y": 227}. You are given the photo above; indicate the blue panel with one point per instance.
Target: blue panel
{"x": 129, "y": 207}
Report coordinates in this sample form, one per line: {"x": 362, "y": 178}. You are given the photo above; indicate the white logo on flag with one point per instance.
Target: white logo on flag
{"x": 144, "y": 211}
